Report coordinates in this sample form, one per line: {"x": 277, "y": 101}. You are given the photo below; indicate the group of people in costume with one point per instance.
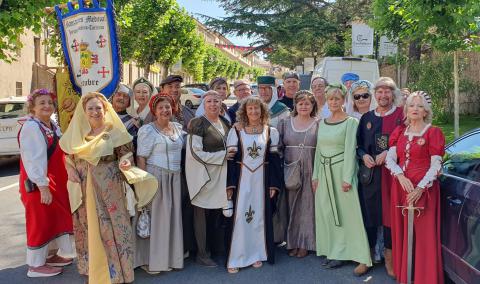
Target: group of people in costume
{"x": 142, "y": 181}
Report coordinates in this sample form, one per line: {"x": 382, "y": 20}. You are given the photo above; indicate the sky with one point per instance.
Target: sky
{"x": 213, "y": 9}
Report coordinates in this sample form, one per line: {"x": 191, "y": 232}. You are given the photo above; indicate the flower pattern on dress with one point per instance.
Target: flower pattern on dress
{"x": 115, "y": 227}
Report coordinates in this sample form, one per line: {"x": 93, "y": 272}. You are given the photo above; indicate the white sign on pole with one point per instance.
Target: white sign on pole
{"x": 387, "y": 47}
{"x": 308, "y": 64}
{"x": 299, "y": 69}
{"x": 362, "y": 39}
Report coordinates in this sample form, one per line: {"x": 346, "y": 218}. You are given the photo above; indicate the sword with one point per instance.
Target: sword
{"x": 410, "y": 211}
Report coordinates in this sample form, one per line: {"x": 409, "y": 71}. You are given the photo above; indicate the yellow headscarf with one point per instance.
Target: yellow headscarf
{"x": 75, "y": 141}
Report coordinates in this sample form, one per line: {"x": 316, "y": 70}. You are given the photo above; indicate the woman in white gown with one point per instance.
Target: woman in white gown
{"x": 253, "y": 181}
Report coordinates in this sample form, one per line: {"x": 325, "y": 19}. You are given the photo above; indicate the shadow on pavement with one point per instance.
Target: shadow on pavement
{"x": 286, "y": 270}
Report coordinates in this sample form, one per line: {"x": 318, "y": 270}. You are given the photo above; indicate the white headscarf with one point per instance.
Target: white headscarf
{"x": 274, "y": 97}
{"x": 123, "y": 88}
{"x": 201, "y": 109}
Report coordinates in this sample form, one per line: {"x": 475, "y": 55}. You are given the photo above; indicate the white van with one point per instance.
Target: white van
{"x": 332, "y": 68}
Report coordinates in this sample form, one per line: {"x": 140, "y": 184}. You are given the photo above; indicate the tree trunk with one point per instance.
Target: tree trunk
{"x": 146, "y": 71}
{"x": 414, "y": 50}
{"x": 414, "y": 53}
{"x": 164, "y": 70}
{"x": 456, "y": 102}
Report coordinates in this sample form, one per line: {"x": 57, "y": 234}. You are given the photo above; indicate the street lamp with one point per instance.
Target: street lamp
{"x": 314, "y": 60}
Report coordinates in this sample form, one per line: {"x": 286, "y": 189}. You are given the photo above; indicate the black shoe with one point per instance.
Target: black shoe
{"x": 325, "y": 261}
{"x": 334, "y": 264}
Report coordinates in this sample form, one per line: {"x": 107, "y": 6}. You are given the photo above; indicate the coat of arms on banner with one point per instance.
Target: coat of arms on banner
{"x": 89, "y": 42}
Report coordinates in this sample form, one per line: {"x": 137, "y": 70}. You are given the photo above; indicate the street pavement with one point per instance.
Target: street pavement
{"x": 286, "y": 269}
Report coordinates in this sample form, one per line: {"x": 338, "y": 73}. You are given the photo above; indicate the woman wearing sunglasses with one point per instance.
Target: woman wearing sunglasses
{"x": 361, "y": 99}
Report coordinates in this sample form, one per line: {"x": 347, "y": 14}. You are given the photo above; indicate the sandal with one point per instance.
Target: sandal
{"x": 302, "y": 253}
{"x": 293, "y": 252}
{"x": 257, "y": 264}
{"x": 232, "y": 270}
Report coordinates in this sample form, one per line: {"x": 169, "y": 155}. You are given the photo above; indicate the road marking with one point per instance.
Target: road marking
{"x": 8, "y": 186}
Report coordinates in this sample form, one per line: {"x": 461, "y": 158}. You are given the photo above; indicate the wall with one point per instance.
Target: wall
{"x": 18, "y": 71}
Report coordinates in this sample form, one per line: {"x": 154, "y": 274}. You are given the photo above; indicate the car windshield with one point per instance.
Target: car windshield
{"x": 197, "y": 91}
{"x": 12, "y": 110}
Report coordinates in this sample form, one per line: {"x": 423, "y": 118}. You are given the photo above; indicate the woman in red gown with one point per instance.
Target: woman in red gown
{"x": 43, "y": 189}
{"x": 415, "y": 158}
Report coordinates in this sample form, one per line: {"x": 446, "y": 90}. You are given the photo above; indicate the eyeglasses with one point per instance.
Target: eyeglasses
{"x": 364, "y": 96}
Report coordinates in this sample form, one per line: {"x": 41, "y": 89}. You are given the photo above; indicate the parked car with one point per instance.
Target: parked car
{"x": 230, "y": 101}
{"x": 191, "y": 97}
{"x": 201, "y": 86}
{"x": 12, "y": 110}
{"x": 460, "y": 203}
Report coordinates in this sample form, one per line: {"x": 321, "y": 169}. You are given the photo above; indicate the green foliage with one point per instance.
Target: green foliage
{"x": 294, "y": 29}
{"x": 434, "y": 76}
{"x": 156, "y": 31}
{"x": 446, "y": 25}
{"x": 15, "y": 17}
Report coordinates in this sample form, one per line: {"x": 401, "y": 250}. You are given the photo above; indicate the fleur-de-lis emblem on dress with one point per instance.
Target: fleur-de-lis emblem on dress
{"x": 253, "y": 150}
{"x": 249, "y": 214}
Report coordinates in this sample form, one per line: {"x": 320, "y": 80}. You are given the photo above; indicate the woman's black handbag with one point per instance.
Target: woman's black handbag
{"x": 365, "y": 174}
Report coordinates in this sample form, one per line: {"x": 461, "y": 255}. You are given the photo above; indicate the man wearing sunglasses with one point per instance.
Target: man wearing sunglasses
{"x": 373, "y": 134}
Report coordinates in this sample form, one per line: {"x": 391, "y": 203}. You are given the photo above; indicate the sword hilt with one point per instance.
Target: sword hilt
{"x": 410, "y": 206}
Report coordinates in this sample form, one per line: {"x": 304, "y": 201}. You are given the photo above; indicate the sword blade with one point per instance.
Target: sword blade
{"x": 411, "y": 213}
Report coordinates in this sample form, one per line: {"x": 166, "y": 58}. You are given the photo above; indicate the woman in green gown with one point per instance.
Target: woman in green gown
{"x": 340, "y": 233}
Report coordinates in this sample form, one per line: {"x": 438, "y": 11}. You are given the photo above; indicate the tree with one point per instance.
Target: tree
{"x": 303, "y": 28}
{"x": 447, "y": 26}
{"x": 156, "y": 31}
{"x": 15, "y": 17}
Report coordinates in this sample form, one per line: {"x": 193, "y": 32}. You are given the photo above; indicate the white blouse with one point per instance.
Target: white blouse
{"x": 33, "y": 151}
{"x": 159, "y": 149}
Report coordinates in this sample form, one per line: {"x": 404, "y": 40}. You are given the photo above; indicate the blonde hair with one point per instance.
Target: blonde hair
{"x": 360, "y": 88}
{"x": 94, "y": 95}
{"x": 426, "y": 105}
{"x": 242, "y": 117}
{"x": 331, "y": 91}
{"x": 304, "y": 95}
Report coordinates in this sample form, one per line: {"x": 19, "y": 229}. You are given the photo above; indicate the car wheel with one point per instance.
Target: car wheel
{"x": 189, "y": 104}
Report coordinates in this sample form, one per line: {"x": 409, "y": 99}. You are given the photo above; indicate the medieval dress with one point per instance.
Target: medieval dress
{"x": 253, "y": 171}
{"x": 419, "y": 158}
{"x": 164, "y": 249}
{"x": 278, "y": 111}
{"x": 340, "y": 233}
{"x": 45, "y": 224}
{"x": 103, "y": 232}
{"x": 372, "y": 138}
{"x": 299, "y": 147}
{"x": 206, "y": 175}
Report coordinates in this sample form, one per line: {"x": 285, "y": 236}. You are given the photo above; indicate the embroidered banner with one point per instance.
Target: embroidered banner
{"x": 67, "y": 99}
{"x": 89, "y": 42}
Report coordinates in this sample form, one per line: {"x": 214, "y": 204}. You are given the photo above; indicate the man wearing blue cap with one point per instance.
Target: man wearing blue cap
{"x": 348, "y": 79}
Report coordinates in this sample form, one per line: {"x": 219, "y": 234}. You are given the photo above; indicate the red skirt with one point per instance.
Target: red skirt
{"x": 427, "y": 254}
{"x": 45, "y": 223}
